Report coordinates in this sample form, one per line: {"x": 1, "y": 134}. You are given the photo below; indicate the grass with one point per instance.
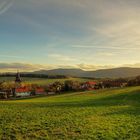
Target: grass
{"x": 42, "y": 81}
{"x": 97, "y": 115}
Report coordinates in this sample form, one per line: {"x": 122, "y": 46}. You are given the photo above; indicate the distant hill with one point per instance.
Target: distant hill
{"x": 104, "y": 73}
{"x": 67, "y": 72}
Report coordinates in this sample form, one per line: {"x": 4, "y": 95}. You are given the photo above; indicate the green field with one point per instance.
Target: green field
{"x": 101, "y": 115}
{"x": 42, "y": 81}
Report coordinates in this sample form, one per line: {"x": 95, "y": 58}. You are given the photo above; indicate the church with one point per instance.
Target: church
{"x": 20, "y": 89}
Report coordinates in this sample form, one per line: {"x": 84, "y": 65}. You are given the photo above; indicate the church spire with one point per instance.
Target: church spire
{"x": 18, "y": 79}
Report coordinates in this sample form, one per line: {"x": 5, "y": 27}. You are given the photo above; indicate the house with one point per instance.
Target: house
{"x": 22, "y": 91}
{"x": 40, "y": 91}
{"x": 5, "y": 94}
{"x": 90, "y": 85}
{"x": 113, "y": 84}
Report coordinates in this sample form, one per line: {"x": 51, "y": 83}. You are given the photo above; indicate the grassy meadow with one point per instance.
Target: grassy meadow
{"x": 41, "y": 81}
{"x": 112, "y": 114}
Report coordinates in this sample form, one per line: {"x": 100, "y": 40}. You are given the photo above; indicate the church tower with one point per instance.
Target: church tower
{"x": 18, "y": 80}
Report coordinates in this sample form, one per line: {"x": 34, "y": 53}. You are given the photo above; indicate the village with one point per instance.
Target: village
{"x": 20, "y": 90}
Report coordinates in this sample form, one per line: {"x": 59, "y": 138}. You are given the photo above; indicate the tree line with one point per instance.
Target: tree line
{"x": 34, "y": 75}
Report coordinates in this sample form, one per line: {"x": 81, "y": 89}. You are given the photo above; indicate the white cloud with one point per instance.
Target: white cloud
{"x": 10, "y": 56}
{"x": 137, "y": 65}
{"x": 104, "y": 54}
{"x": 61, "y": 57}
{"x": 90, "y": 67}
{"x": 5, "y": 5}
{"x": 24, "y": 67}
{"x": 12, "y": 67}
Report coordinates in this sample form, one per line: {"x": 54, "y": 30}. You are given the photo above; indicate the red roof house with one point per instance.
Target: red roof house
{"x": 40, "y": 90}
{"x": 22, "y": 91}
{"x": 90, "y": 85}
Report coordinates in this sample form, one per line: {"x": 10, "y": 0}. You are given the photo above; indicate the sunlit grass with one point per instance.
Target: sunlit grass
{"x": 104, "y": 114}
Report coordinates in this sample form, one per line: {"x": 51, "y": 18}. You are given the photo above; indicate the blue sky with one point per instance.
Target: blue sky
{"x": 87, "y": 34}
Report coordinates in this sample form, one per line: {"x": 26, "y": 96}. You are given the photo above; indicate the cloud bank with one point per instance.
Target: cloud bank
{"x": 23, "y": 67}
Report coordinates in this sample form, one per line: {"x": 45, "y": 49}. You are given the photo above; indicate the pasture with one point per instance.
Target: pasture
{"x": 112, "y": 114}
{"x": 42, "y": 81}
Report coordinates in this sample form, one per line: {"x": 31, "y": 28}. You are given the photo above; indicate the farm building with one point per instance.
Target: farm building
{"x": 89, "y": 85}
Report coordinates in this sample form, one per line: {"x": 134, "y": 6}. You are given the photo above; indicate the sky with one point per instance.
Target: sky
{"x": 86, "y": 34}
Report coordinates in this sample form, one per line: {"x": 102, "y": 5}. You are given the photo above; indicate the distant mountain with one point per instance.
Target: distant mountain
{"x": 117, "y": 73}
{"x": 104, "y": 73}
{"x": 67, "y": 72}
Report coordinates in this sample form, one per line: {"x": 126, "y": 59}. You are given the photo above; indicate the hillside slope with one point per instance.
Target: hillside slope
{"x": 69, "y": 72}
{"x": 103, "y": 114}
{"x": 104, "y": 73}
